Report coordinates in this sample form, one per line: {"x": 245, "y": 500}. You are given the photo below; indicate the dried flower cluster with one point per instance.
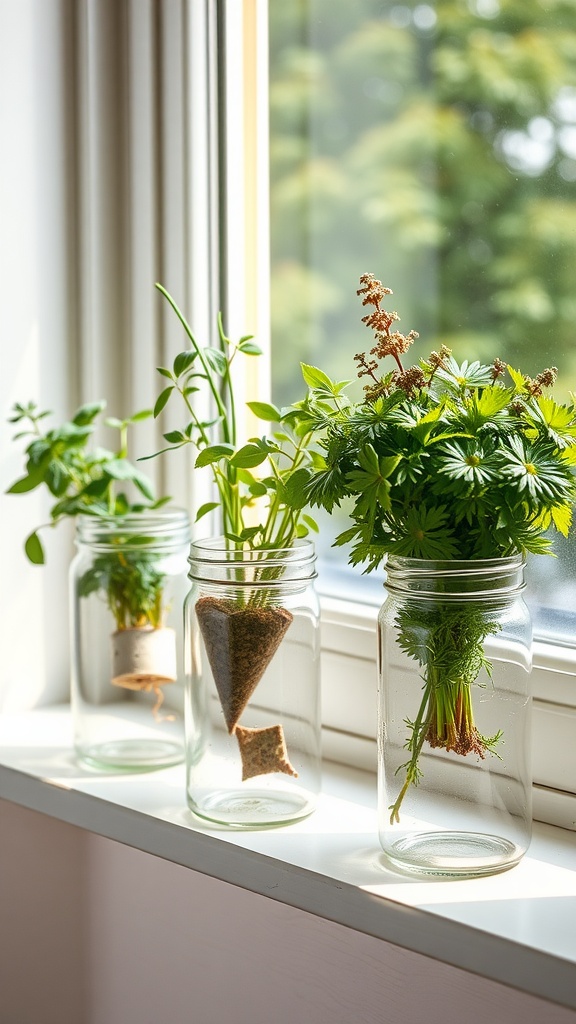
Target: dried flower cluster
{"x": 388, "y": 343}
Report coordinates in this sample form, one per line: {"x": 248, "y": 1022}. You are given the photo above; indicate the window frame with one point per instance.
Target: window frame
{"x": 349, "y": 628}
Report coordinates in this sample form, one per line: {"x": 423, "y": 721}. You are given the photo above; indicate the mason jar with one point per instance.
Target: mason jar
{"x": 454, "y": 716}
{"x": 252, "y": 660}
{"x": 128, "y": 584}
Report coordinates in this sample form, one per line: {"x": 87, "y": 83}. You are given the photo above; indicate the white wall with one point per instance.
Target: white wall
{"x": 92, "y": 932}
{"x": 35, "y": 328}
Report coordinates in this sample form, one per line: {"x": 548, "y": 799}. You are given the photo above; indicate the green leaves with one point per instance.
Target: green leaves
{"x": 371, "y": 480}
{"x": 320, "y": 383}
{"x": 285, "y": 461}
{"x": 249, "y": 456}
{"x": 208, "y": 506}
{"x": 83, "y": 481}
{"x": 216, "y": 360}
{"x": 132, "y": 585}
{"x": 469, "y": 463}
{"x": 183, "y": 362}
{"x": 248, "y": 347}
{"x": 559, "y": 421}
{"x": 162, "y": 400}
{"x": 27, "y": 483}
{"x": 537, "y": 473}
{"x": 464, "y": 468}
{"x": 265, "y": 411}
{"x": 34, "y": 549}
{"x": 294, "y": 492}
{"x": 425, "y": 533}
{"x": 314, "y": 377}
{"x": 213, "y": 453}
{"x": 88, "y": 413}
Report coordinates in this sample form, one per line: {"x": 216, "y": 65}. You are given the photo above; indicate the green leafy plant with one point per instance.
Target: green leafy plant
{"x": 85, "y": 481}
{"x": 262, "y": 511}
{"x": 284, "y": 457}
{"x": 442, "y": 461}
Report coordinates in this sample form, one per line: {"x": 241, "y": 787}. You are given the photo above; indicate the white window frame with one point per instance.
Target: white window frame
{"x": 349, "y": 628}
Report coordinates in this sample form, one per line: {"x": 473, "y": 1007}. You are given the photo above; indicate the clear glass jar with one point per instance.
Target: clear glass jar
{"x": 252, "y": 662}
{"x": 128, "y": 584}
{"x": 454, "y": 716}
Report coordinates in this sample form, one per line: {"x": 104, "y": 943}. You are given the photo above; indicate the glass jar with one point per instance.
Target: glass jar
{"x": 128, "y": 584}
{"x": 454, "y": 716}
{"x": 252, "y": 661}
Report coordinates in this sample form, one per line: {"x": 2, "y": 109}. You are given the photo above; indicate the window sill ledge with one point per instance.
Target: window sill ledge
{"x": 516, "y": 928}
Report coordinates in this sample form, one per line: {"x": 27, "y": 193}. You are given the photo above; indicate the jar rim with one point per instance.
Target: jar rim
{"x": 396, "y": 563}
{"x": 456, "y": 579}
{"x": 213, "y": 559}
{"x": 219, "y": 550}
{"x": 164, "y": 526}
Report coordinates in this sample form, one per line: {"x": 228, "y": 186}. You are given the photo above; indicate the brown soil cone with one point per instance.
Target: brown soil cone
{"x": 240, "y": 644}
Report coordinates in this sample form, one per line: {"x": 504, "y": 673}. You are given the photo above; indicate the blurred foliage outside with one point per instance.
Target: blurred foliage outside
{"x": 435, "y": 146}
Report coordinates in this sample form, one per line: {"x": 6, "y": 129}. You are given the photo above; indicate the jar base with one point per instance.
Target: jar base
{"x": 253, "y": 808}
{"x": 132, "y": 755}
{"x": 452, "y": 854}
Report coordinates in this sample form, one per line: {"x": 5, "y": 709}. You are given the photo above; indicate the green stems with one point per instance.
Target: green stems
{"x": 222, "y": 411}
{"x": 448, "y": 642}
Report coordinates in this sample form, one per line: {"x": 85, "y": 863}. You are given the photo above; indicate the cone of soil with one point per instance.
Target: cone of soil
{"x": 240, "y": 644}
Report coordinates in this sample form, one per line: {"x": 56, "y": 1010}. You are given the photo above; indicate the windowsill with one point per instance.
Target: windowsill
{"x": 516, "y": 928}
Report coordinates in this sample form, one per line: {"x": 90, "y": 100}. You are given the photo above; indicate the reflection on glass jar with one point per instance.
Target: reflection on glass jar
{"x": 128, "y": 585}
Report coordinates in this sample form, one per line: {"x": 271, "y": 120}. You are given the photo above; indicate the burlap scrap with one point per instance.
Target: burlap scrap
{"x": 263, "y": 751}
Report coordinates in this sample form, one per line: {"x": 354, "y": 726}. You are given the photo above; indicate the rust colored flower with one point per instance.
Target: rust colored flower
{"x": 436, "y": 361}
{"x": 545, "y": 379}
{"x": 411, "y": 380}
{"x": 392, "y": 344}
{"x": 380, "y": 389}
{"x": 365, "y": 368}
{"x": 380, "y": 321}
{"x": 498, "y": 368}
{"x": 373, "y": 290}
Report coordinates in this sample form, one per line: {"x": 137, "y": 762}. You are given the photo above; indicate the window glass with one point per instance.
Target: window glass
{"x": 434, "y": 145}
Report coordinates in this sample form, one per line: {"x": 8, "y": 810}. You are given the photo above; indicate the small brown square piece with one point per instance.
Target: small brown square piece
{"x": 263, "y": 751}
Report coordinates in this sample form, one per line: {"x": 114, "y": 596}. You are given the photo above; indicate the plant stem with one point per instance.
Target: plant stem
{"x": 448, "y": 642}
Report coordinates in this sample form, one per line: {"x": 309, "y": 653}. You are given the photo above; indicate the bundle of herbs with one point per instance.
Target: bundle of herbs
{"x": 260, "y": 497}
{"x": 442, "y": 462}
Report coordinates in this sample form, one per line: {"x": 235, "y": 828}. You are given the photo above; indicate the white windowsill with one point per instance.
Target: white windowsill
{"x": 516, "y": 928}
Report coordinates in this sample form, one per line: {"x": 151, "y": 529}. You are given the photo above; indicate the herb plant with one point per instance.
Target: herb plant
{"x": 284, "y": 457}
{"x": 85, "y": 481}
{"x": 262, "y": 511}
{"x": 442, "y": 461}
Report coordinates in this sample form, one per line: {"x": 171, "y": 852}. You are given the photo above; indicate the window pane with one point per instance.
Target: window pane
{"x": 433, "y": 145}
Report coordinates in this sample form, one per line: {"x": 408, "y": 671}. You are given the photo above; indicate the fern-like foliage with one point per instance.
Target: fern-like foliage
{"x": 441, "y": 461}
